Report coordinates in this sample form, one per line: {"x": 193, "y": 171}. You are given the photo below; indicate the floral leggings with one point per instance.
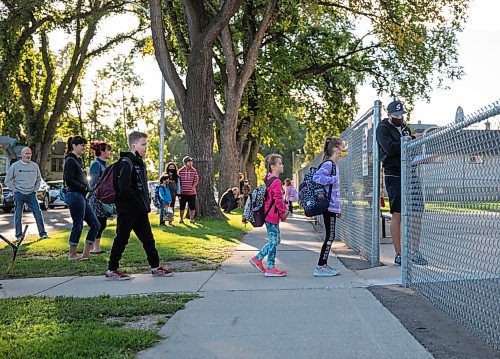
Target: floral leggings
{"x": 273, "y": 232}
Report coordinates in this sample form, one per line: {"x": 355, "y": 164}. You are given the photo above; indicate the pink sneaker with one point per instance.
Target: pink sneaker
{"x": 115, "y": 275}
{"x": 275, "y": 272}
{"x": 162, "y": 272}
{"x": 257, "y": 264}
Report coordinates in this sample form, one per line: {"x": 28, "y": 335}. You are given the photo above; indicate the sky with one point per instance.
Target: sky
{"x": 479, "y": 55}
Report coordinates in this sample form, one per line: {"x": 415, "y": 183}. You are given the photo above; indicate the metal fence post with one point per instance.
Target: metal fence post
{"x": 375, "y": 247}
{"x": 404, "y": 211}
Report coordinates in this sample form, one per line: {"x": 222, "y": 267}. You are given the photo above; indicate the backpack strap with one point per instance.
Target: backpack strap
{"x": 331, "y": 174}
{"x": 268, "y": 183}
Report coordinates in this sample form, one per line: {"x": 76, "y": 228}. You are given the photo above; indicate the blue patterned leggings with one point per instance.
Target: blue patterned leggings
{"x": 273, "y": 232}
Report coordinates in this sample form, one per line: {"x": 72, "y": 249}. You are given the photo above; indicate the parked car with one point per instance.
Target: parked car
{"x": 8, "y": 198}
{"x": 54, "y": 194}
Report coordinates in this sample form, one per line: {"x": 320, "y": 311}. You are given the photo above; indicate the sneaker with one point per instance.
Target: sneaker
{"x": 163, "y": 224}
{"x": 275, "y": 272}
{"x": 192, "y": 221}
{"x": 257, "y": 264}
{"x": 418, "y": 258}
{"x": 19, "y": 239}
{"x": 181, "y": 221}
{"x": 162, "y": 272}
{"x": 115, "y": 275}
{"x": 325, "y": 271}
{"x": 45, "y": 236}
{"x": 171, "y": 223}
{"x": 397, "y": 260}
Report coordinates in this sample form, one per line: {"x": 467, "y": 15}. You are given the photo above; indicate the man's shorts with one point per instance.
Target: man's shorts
{"x": 393, "y": 188}
{"x": 190, "y": 199}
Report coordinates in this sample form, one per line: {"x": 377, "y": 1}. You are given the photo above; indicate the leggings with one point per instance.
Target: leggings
{"x": 103, "y": 221}
{"x": 329, "y": 219}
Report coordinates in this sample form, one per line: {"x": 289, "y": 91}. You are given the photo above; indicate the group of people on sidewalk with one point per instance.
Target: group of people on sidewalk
{"x": 388, "y": 135}
{"x": 278, "y": 210}
{"x": 132, "y": 200}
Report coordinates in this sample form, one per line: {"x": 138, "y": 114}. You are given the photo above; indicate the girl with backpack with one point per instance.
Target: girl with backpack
{"x": 328, "y": 176}
{"x": 275, "y": 210}
{"x": 165, "y": 198}
{"x": 173, "y": 183}
{"x": 102, "y": 153}
{"x": 291, "y": 195}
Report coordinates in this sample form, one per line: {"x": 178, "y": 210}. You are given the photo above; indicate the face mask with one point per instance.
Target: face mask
{"x": 398, "y": 122}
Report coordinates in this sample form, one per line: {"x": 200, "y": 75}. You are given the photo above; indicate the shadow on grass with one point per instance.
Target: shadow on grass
{"x": 204, "y": 245}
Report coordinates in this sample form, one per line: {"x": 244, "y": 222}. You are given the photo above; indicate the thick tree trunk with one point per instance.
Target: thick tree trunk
{"x": 230, "y": 155}
{"x": 198, "y": 125}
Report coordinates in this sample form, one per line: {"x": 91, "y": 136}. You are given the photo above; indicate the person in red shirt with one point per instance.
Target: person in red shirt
{"x": 189, "y": 180}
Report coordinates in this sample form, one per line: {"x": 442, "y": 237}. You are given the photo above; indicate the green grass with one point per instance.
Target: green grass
{"x": 200, "y": 246}
{"x": 43, "y": 327}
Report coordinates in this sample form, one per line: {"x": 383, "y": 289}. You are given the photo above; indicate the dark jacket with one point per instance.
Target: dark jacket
{"x": 389, "y": 146}
{"x": 132, "y": 193}
{"x": 74, "y": 174}
{"x": 228, "y": 202}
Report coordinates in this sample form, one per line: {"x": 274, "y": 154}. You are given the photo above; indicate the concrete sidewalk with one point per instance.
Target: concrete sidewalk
{"x": 242, "y": 314}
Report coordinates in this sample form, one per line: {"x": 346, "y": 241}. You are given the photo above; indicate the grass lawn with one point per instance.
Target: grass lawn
{"x": 200, "y": 246}
{"x": 101, "y": 327}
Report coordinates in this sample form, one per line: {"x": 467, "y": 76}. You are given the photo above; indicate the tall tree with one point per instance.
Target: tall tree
{"x": 46, "y": 86}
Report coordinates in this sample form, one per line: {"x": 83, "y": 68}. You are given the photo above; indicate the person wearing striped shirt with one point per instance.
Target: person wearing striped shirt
{"x": 189, "y": 180}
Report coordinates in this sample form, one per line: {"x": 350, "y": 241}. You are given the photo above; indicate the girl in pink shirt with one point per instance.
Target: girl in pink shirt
{"x": 277, "y": 211}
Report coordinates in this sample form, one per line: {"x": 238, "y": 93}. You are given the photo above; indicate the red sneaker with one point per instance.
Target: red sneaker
{"x": 115, "y": 275}
{"x": 257, "y": 264}
{"x": 162, "y": 272}
{"x": 275, "y": 272}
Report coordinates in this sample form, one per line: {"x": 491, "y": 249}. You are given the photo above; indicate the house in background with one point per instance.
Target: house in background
{"x": 10, "y": 152}
{"x": 56, "y": 161}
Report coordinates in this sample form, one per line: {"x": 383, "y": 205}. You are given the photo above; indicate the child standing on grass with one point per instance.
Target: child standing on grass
{"x": 165, "y": 200}
{"x": 328, "y": 175}
{"x": 277, "y": 210}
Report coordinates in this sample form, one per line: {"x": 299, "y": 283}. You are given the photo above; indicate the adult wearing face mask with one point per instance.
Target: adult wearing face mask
{"x": 389, "y": 134}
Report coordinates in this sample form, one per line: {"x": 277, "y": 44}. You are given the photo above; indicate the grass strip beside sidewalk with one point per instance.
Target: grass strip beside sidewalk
{"x": 184, "y": 247}
{"x": 43, "y": 327}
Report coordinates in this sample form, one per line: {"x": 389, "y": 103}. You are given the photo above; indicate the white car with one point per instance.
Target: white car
{"x": 54, "y": 194}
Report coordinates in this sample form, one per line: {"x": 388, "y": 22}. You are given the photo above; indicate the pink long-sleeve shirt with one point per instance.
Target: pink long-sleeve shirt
{"x": 280, "y": 208}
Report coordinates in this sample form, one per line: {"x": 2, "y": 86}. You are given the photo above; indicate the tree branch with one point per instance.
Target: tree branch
{"x": 163, "y": 55}
{"x": 219, "y": 21}
{"x": 318, "y": 69}
{"x": 253, "y": 51}
{"x": 48, "y": 79}
{"x": 174, "y": 21}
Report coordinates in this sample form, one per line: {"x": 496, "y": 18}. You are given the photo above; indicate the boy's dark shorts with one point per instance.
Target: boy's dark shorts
{"x": 393, "y": 188}
{"x": 190, "y": 199}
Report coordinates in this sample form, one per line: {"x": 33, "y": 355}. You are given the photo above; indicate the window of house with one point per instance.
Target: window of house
{"x": 57, "y": 164}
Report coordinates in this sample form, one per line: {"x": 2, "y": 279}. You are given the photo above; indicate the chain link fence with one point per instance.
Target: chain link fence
{"x": 451, "y": 220}
{"x": 359, "y": 176}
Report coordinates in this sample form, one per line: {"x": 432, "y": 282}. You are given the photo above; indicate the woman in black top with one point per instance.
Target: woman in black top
{"x": 77, "y": 188}
{"x": 173, "y": 181}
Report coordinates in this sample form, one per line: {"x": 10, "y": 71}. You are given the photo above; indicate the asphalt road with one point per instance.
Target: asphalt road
{"x": 54, "y": 219}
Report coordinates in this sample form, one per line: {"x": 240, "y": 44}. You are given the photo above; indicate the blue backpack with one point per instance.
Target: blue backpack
{"x": 312, "y": 196}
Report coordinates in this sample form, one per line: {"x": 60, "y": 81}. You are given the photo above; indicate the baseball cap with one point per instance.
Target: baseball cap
{"x": 396, "y": 108}
{"x": 186, "y": 159}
